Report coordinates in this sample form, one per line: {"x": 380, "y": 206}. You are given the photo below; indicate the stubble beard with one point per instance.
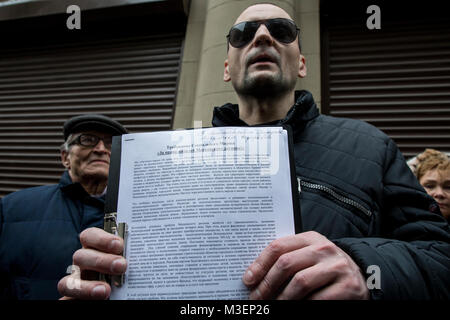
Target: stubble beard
{"x": 264, "y": 86}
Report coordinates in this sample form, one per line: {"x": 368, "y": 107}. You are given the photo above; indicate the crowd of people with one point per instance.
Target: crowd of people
{"x": 369, "y": 210}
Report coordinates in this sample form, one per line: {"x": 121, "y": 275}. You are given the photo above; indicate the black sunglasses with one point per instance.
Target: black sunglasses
{"x": 283, "y": 30}
{"x": 90, "y": 140}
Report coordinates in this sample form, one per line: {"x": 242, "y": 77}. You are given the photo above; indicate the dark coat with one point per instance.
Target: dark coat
{"x": 357, "y": 190}
{"x": 39, "y": 232}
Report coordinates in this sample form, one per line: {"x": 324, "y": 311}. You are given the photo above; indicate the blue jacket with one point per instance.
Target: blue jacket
{"x": 357, "y": 190}
{"x": 39, "y": 232}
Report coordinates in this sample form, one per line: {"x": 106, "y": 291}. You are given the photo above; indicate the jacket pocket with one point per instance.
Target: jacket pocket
{"x": 338, "y": 197}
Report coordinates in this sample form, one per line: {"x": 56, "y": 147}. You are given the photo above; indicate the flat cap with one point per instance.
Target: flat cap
{"x": 93, "y": 122}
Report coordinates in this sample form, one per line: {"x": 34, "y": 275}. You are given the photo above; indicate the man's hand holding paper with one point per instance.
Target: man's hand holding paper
{"x": 305, "y": 265}
{"x": 100, "y": 252}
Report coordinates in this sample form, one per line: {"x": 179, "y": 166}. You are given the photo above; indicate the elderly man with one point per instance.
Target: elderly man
{"x": 363, "y": 211}
{"x": 39, "y": 226}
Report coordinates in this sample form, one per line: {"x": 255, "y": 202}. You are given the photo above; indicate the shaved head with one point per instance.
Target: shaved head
{"x": 262, "y": 11}
{"x": 264, "y": 67}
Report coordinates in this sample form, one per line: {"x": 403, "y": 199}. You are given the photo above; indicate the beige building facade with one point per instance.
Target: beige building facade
{"x": 201, "y": 86}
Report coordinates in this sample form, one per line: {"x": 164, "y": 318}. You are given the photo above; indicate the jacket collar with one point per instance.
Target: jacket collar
{"x": 75, "y": 191}
{"x": 303, "y": 110}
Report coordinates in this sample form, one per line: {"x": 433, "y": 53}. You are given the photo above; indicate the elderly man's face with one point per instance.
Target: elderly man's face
{"x": 84, "y": 162}
{"x": 264, "y": 66}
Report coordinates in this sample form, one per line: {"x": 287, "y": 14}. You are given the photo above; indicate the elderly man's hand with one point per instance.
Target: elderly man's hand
{"x": 305, "y": 265}
{"x": 100, "y": 252}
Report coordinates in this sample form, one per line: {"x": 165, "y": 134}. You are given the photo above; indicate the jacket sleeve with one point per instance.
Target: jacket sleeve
{"x": 1, "y": 216}
{"x": 413, "y": 247}
{"x": 4, "y": 280}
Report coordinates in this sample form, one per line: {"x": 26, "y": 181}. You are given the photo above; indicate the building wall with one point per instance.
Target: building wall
{"x": 123, "y": 62}
{"x": 201, "y": 85}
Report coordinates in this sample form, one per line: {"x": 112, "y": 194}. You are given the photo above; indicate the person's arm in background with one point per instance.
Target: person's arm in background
{"x": 414, "y": 253}
{"x": 4, "y": 282}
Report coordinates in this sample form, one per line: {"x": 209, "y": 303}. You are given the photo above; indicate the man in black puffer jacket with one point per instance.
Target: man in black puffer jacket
{"x": 371, "y": 231}
{"x": 362, "y": 205}
{"x": 357, "y": 191}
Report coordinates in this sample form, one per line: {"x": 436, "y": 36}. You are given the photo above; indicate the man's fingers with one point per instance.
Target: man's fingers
{"x": 282, "y": 271}
{"x": 258, "y": 269}
{"x": 306, "y": 281}
{"x": 71, "y": 287}
{"x": 88, "y": 259}
{"x": 99, "y": 239}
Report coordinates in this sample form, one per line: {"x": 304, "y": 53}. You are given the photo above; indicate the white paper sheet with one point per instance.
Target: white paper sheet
{"x": 200, "y": 206}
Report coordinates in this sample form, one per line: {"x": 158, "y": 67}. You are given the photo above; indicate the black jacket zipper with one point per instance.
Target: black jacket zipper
{"x": 334, "y": 195}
